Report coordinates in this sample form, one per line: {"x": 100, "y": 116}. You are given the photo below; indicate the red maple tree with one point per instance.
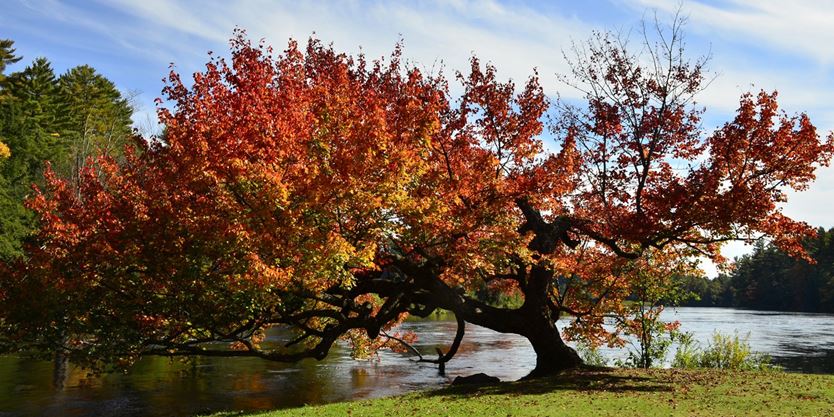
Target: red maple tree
{"x": 333, "y": 196}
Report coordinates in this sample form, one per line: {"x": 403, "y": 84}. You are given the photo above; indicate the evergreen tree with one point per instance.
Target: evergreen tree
{"x": 98, "y": 118}
{"x": 7, "y": 56}
{"x": 769, "y": 279}
{"x": 29, "y": 116}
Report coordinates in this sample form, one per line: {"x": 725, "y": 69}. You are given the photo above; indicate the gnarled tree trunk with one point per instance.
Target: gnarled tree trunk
{"x": 534, "y": 320}
{"x": 553, "y": 355}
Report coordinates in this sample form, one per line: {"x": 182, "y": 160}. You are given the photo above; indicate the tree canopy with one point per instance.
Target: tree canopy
{"x": 332, "y": 196}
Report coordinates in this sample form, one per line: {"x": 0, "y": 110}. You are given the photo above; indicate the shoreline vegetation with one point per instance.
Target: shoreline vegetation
{"x": 603, "y": 392}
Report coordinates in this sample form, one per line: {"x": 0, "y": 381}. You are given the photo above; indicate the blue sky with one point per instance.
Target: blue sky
{"x": 755, "y": 44}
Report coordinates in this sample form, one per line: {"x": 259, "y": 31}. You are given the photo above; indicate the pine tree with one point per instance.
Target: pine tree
{"x": 98, "y": 118}
{"x": 7, "y": 56}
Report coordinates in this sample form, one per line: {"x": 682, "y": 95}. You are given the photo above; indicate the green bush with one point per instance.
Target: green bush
{"x": 723, "y": 352}
{"x": 687, "y": 355}
{"x": 590, "y": 355}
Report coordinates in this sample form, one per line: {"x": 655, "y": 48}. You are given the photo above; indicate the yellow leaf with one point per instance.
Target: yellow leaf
{"x": 5, "y": 152}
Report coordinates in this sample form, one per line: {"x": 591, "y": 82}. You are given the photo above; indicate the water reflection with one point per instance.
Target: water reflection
{"x": 161, "y": 387}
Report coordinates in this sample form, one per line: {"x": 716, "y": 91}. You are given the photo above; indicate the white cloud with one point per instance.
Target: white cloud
{"x": 801, "y": 27}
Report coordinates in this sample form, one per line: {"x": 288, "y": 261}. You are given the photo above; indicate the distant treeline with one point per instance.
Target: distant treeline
{"x": 769, "y": 279}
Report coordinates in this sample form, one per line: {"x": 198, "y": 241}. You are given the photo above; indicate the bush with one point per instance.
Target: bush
{"x": 590, "y": 355}
{"x": 687, "y": 355}
{"x": 723, "y": 352}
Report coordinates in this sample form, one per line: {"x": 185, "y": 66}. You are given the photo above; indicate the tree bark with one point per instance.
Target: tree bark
{"x": 533, "y": 320}
{"x": 553, "y": 355}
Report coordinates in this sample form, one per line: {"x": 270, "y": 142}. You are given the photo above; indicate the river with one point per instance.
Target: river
{"x": 161, "y": 387}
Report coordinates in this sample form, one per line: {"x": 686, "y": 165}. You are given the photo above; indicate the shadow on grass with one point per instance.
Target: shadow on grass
{"x": 594, "y": 379}
{"x": 583, "y": 380}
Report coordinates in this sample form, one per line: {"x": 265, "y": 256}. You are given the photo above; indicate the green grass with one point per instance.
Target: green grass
{"x": 618, "y": 392}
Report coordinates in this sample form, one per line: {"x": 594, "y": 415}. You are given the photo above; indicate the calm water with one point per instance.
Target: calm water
{"x": 160, "y": 387}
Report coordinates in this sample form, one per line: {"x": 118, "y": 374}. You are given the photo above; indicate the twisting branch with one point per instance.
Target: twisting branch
{"x": 407, "y": 345}
{"x": 441, "y": 357}
{"x": 548, "y": 235}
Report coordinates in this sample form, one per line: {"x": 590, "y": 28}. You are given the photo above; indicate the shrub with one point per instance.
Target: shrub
{"x": 687, "y": 355}
{"x": 723, "y": 352}
{"x": 591, "y": 355}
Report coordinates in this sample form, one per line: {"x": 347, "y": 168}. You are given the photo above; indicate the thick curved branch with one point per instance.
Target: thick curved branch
{"x": 441, "y": 357}
{"x": 548, "y": 235}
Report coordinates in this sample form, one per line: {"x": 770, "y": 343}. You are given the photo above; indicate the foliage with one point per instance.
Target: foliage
{"x": 723, "y": 352}
{"x": 653, "y": 288}
{"x": 97, "y": 119}
{"x": 334, "y": 196}
{"x": 651, "y": 347}
{"x": 590, "y": 354}
{"x": 7, "y": 56}
{"x": 498, "y": 295}
{"x": 687, "y": 352}
{"x": 626, "y": 392}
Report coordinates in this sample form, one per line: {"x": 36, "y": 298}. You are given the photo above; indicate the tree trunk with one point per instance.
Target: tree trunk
{"x": 553, "y": 355}
{"x": 533, "y": 320}
{"x": 60, "y": 370}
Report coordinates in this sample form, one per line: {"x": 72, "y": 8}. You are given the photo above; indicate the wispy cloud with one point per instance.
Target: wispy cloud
{"x": 516, "y": 38}
{"x": 797, "y": 27}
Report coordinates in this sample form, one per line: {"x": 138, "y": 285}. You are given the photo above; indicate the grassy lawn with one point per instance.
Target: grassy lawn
{"x": 618, "y": 392}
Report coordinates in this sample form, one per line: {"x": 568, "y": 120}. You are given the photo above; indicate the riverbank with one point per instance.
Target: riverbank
{"x": 160, "y": 387}
{"x": 617, "y": 392}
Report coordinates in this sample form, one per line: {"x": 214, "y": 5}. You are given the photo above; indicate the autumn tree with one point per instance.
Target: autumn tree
{"x": 332, "y": 196}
